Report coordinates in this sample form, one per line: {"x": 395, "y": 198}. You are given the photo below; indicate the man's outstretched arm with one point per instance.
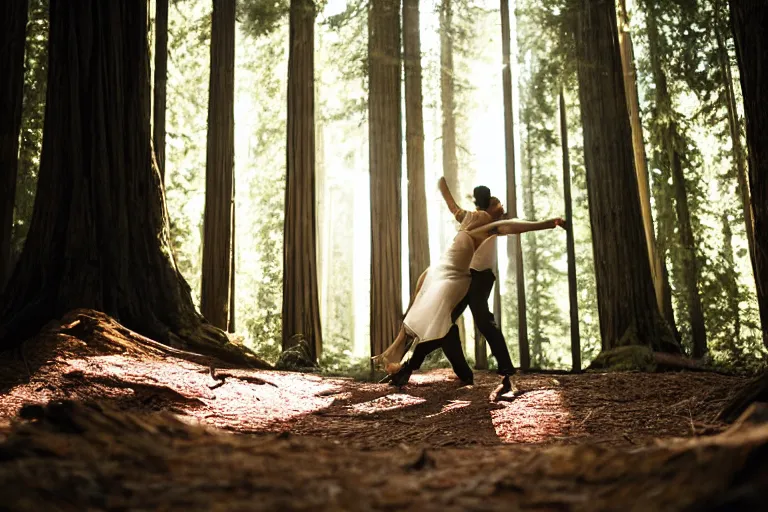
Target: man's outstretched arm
{"x": 457, "y": 212}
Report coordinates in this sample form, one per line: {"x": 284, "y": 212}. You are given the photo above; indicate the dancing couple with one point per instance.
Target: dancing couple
{"x": 463, "y": 277}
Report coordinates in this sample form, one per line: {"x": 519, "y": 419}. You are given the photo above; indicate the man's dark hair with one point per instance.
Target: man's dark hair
{"x": 482, "y": 197}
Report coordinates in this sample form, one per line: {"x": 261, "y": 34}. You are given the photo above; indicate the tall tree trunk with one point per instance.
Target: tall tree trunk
{"x": 418, "y": 232}
{"x": 514, "y": 247}
{"x": 385, "y": 155}
{"x": 670, "y": 143}
{"x": 730, "y": 285}
{"x": 638, "y": 146}
{"x": 161, "y": 73}
{"x": 99, "y": 233}
{"x": 626, "y": 298}
{"x": 447, "y": 98}
{"x": 748, "y": 21}
{"x": 569, "y": 242}
{"x": 232, "y": 264}
{"x": 301, "y": 309}
{"x": 13, "y": 24}
{"x": 534, "y": 298}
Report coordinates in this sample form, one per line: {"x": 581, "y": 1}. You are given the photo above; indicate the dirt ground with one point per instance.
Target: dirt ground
{"x": 611, "y": 441}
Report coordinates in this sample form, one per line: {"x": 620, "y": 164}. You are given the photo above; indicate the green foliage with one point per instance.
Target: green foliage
{"x": 33, "y": 116}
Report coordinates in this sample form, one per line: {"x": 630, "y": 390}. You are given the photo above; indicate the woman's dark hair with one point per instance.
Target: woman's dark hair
{"x": 482, "y": 197}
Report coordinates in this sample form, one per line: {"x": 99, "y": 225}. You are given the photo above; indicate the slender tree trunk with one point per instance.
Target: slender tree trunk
{"x": 626, "y": 299}
{"x": 730, "y": 285}
{"x": 534, "y": 298}
{"x": 324, "y": 227}
{"x": 232, "y": 264}
{"x": 301, "y": 310}
{"x": 161, "y": 72}
{"x": 418, "y": 232}
{"x": 748, "y": 21}
{"x": 569, "y": 242}
{"x": 99, "y": 233}
{"x": 13, "y": 24}
{"x": 385, "y": 154}
{"x": 447, "y": 98}
{"x": 638, "y": 146}
{"x": 514, "y": 247}
{"x": 671, "y": 142}
{"x": 219, "y": 169}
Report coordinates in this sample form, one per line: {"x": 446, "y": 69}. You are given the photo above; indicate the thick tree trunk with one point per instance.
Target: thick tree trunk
{"x": 569, "y": 242}
{"x": 161, "y": 72}
{"x": 385, "y": 155}
{"x": 514, "y": 247}
{"x": 13, "y": 24}
{"x": 99, "y": 234}
{"x": 670, "y": 144}
{"x": 219, "y": 168}
{"x": 418, "y": 232}
{"x": 301, "y": 308}
{"x": 626, "y": 300}
{"x": 748, "y": 21}
{"x": 638, "y": 146}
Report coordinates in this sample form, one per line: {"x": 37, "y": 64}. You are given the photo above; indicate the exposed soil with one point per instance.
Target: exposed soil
{"x": 571, "y": 442}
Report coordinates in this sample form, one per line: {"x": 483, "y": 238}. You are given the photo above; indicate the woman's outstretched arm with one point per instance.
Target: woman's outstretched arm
{"x": 517, "y": 226}
{"x": 457, "y": 212}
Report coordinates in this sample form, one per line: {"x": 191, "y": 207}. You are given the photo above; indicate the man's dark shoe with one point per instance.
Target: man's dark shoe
{"x": 502, "y": 388}
{"x": 402, "y": 377}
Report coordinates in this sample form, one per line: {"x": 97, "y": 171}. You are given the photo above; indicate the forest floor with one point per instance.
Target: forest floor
{"x": 142, "y": 428}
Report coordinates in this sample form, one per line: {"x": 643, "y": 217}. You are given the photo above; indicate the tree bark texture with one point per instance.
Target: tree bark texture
{"x": 447, "y": 98}
{"x": 670, "y": 141}
{"x": 161, "y": 73}
{"x": 219, "y": 168}
{"x": 13, "y": 25}
{"x": 638, "y": 147}
{"x": 626, "y": 298}
{"x": 301, "y": 306}
{"x": 99, "y": 233}
{"x": 569, "y": 242}
{"x": 749, "y": 19}
{"x": 418, "y": 231}
{"x": 385, "y": 155}
{"x": 536, "y": 338}
{"x": 514, "y": 246}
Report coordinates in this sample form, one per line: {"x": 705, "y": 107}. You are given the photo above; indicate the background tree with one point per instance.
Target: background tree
{"x": 161, "y": 73}
{"x": 301, "y": 313}
{"x": 418, "y": 231}
{"x": 13, "y": 16}
{"x": 385, "y": 150}
{"x": 219, "y": 169}
{"x": 748, "y": 21}
{"x": 98, "y": 237}
{"x": 626, "y": 300}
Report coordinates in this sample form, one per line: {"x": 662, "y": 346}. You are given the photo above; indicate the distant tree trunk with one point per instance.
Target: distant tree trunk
{"x": 730, "y": 285}
{"x": 232, "y": 265}
{"x": 569, "y": 242}
{"x": 99, "y": 234}
{"x": 13, "y": 24}
{"x": 161, "y": 72}
{"x": 418, "y": 232}
{"x": 534, "y": 298}
{"x": 447, "y": 98}
{"x": 219, "y": 168}
{"x": 514, "y": 247}
{"x": 748, "y": 21}
{"x": 641, "y": 166}
{"x": 670, "y": 143}
{"x": 385, "y": 154}
{"x": 324, "y": 227}
{"x": 627, "y": 305}
{"x": 301, "y": 309}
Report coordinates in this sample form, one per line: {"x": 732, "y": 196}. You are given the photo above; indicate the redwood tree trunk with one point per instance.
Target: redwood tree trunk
{"x": 447, "y": 98}
{"x": 670, "y": 141}
{"x": 385, "y": 155}
{"x": 626, "y": 299}
{"x": 219, "y": 168}
{"x": 514, "y": 247}
{"x": 748, "y": 21}
{"x": 301, "y": 308}
{"x": 99, "y": 233}
{"x": 13, "y": 24}
{"x": 161, "y": 72}
{"x": 418, "y": 232}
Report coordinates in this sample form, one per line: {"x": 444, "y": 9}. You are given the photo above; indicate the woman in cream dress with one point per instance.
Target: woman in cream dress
{"x": 444, "y": 285}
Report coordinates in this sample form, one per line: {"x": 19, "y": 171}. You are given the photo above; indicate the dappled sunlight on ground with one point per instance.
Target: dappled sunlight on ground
{"x": 535, "y": 417}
